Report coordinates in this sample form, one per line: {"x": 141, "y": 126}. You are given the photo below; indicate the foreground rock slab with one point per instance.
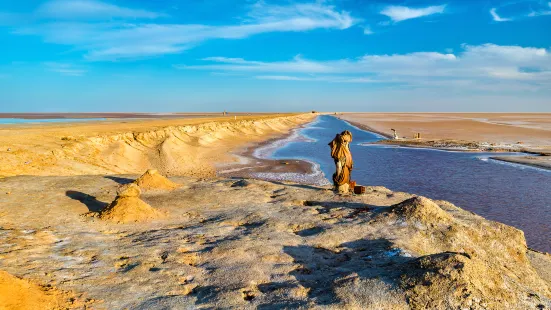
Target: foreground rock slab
{"x": 226, "y": 243}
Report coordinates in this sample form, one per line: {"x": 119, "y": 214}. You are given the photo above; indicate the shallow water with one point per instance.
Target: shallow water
{"x": 509, "y": 193}
{"x": 46, "y": 120}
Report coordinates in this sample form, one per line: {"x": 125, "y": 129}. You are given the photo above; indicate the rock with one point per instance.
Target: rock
{"x": 241, "y": 183}
{"x": 452, "y": 280}
{"x": 421, "y": 209}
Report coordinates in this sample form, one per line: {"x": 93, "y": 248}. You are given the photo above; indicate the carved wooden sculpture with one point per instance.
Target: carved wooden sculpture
{"x": 340, "y": 152}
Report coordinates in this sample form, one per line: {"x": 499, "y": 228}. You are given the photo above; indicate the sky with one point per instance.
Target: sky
{"x": 215, "y": 55}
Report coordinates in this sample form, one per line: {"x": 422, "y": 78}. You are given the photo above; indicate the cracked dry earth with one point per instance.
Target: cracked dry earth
{"x": 228, "y": 243}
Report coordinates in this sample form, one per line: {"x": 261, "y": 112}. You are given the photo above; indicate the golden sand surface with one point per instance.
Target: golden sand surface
{"x": 533, "y": 130}
{"x": 253, "y": 244}
{"x": 186, "y": 146}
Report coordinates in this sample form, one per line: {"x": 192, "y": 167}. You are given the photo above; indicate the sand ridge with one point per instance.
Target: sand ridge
{"x": 174, "y": 147}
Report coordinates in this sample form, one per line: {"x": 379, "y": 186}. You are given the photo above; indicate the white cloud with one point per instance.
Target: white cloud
{"x": 65, "y": 69}
{"x": 401, "y": 13}
{"x": 496, "y": 17}
{"x": 368, "y": 31}
{"x": 303, "y": 16}
{"x": 535, "y": 8}
{"x": 78, "y": 9}
{"x": 119, "y": 40}
{"x": 487, "y": 66}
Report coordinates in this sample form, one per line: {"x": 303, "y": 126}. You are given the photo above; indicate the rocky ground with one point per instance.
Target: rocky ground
{"x": 236, "y": 243}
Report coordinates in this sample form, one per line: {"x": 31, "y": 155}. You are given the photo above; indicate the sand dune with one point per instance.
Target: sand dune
{"x": 174, "y": 147}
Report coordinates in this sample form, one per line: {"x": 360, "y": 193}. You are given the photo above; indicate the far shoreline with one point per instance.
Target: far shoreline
{"x": 520, "y": 160}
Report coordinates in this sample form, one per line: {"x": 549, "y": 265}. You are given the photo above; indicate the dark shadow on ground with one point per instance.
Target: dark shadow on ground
{"x": 323, "y": 269}
{"x": 310, "y": 231}
{"x": 119, "y": 180}
{"x": 90, "y": 201}
{"x": 304, "y": 186}
{"x": 338, "y": 204}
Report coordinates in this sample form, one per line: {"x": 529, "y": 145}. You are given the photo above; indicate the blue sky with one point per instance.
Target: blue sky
{"x": 346, "y": 55}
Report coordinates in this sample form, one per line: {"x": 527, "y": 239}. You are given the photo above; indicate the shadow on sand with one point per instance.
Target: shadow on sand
{"x": 90, "y": 201}
{"x": 121, "y": 181}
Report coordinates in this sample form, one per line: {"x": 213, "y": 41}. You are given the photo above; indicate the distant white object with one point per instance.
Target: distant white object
{"x": 235, "y": 117}
{"x": 395, "y": 134}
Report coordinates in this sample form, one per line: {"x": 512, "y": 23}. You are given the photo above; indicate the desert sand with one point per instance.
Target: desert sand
{"x": 173, "y": 146}
{"x": 244, "y": 244}
{"x": 90, "y": 230}
{"x": 494, "y": 132}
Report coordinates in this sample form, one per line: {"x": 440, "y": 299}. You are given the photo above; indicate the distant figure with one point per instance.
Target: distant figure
{"x": 340, "y": 152}
{"x": 395, "y": 134}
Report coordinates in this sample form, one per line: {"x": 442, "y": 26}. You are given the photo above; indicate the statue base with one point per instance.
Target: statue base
{"x": 343, "y": 189}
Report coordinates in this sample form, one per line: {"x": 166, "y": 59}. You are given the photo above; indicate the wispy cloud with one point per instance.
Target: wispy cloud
{"x": 488, "y": 64}
{"x": 121, "y": 40}
{"x": 78, "y": 9}
{"x": 531, "y": 8}
{"x": 541, "y": 12}
{"x": 322, "y": 78}
{"x": 301, "y": 16}
{"x": 65, "y": 69}
{"x": 498, "y": 18}
{"x": 368, "y": 31}
{"x": 401, "y": 13}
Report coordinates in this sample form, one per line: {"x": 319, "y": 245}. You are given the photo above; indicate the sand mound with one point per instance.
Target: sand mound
{"x": 151, "y": 179}
{"x": 16, "y": 293}
{"x": 128, "y": 207}
{"x": 423, "y": 210}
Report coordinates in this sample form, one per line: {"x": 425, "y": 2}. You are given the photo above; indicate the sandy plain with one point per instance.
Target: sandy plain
{"x": 497, "y": 132}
